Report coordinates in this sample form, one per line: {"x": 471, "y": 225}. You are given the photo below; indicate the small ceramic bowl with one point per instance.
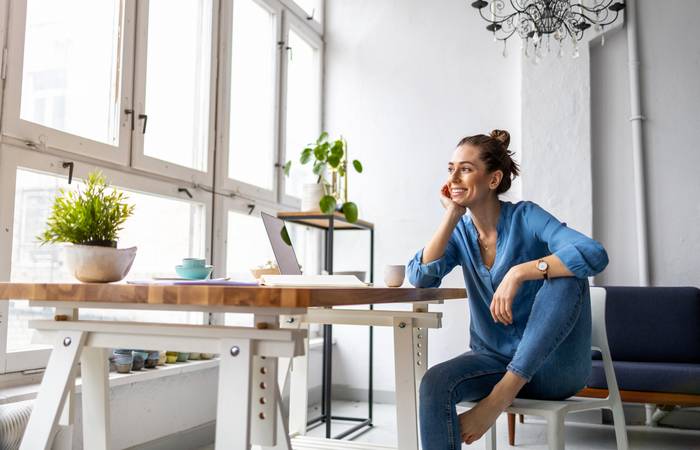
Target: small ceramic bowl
{"x": 194, "y": 273}
{"x": 123, "y": 367}
{"x": 139, "y": 359}
{"x": 162, "y": 357}
{"x": 152, "y": 360}
{"x": 195, "y": 356}
{"x": 182, "y": 356}
{"x": 206, "y": 355}
{"x": 171, "y": 357}
{"x": 123, "y": 363}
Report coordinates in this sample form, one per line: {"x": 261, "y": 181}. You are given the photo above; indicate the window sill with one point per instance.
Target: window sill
{"x": 28, "y": 391}
{"x": 11, "y": 394}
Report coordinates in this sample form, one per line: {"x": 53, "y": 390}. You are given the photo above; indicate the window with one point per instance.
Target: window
{"x": 66, "y": 84}
{"x": 164, "y": 227}
{"x": 154, "y": 87}
{"x": 252, "y": 139}
{"x": 302, "y": 106}
{"x": 174, "y": 95}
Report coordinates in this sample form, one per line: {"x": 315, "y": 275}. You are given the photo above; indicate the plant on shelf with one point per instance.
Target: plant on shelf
{"x": 331, "y": 156}
{"x": 91, "y": 220}
{"x": 91, "y": 217}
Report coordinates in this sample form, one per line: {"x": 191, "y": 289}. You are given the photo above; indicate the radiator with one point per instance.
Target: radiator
{"x": 13, "y": 421}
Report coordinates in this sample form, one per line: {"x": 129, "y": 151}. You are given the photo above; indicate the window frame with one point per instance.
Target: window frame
{"x": 39, "y": 136}
{"x": 13, "y": 158}
{"x": 121, "y": 166}
{"x": 291, "y": 22}
{"x": 223, "y": 181}
{"x": 139, "y": 159}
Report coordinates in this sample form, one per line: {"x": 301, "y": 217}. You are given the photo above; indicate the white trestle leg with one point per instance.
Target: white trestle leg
{"x": 95, "y": 375}
{"x": 233, "y": 402}
{"x": 407, "y": 421}
{"x": 57, "y": 383}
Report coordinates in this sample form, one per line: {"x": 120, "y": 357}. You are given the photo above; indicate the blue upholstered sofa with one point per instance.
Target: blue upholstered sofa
{"x": 654, "y": 340}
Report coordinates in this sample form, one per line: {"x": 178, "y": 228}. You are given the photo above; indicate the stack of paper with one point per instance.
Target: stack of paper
{"x": 311, "y": 281}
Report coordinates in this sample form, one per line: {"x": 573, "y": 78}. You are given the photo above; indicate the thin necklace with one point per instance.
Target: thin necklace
{"x": 478, "y": 239}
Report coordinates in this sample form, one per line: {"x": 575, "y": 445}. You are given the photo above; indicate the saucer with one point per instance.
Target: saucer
{"x": 194, "y": 273}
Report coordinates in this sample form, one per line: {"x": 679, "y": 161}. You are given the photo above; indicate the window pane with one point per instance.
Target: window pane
{"x": 178, "y": 81}
{"x": 72, "y": 66}
{"x": 302, "y": 116}
{"x": 165, "y": 230}
{"x": 247, "y": 245}
{"x": 251, "y": 135}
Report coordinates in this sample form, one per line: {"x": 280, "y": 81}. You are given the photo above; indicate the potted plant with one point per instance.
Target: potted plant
{"x": 90, "y": 220}
{"x": 330, "y": 156}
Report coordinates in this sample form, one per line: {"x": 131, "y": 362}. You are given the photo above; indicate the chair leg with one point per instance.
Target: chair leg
{"x": 511, "y": 429}
{"x": 490, "y": 443}
{"x": 620, "y": 428}
{"x": 555, "y": 431}
{"x": 522, "y": 418}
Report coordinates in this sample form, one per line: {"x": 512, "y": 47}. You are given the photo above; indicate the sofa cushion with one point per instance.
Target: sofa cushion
{"x": 653, "y": 324}
{"x": 643, "y": 376}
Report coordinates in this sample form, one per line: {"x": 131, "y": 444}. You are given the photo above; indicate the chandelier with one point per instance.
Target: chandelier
{"x": 539, "y": 21}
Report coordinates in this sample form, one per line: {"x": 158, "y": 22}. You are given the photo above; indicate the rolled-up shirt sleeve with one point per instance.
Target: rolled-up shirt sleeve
{"x": 430, "y": 274}
{"x": 583, "y": 256}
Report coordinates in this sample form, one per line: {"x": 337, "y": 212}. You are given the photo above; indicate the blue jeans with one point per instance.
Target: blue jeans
{"x": 553, "y": 355}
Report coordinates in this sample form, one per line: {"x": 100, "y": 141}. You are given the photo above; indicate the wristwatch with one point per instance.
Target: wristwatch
{"x": 543, "y": 267}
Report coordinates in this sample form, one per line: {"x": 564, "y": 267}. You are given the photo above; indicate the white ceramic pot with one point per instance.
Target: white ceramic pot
{"x": 93, "y": 264}
{"x": 311, "y": 195}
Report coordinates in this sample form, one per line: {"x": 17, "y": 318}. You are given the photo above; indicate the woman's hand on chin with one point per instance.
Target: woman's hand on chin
{"x": 449, "y": 204}
{"x": 502, "y": 302}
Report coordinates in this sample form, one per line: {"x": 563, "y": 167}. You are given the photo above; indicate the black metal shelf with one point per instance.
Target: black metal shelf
{"x": 331, "y": 223}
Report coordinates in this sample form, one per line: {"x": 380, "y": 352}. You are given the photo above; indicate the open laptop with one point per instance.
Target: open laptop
{"x": 281, "y": 245}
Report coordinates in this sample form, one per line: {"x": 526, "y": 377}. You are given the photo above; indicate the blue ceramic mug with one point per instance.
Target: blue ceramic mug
{"x": 189, "y": 263}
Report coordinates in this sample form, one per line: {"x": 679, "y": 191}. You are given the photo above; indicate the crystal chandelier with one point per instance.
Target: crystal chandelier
{"x": 538, "y": 21}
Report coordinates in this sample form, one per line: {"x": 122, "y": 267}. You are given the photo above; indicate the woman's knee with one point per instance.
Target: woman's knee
{"x": 434, "y": 384}
{"x": 564, "y": 287}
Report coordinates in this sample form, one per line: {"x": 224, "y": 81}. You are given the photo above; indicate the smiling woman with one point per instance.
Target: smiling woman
{"x": 518, "y": 262}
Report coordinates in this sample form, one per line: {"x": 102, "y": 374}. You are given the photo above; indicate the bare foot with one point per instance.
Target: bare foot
{"x": 475, "y": 422}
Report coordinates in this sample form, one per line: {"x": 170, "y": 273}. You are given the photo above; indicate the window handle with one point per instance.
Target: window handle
{"x": 130, "y": 112}
{"x": 145, "y": 121}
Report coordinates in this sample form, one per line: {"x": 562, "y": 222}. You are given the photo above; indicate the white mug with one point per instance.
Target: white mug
{"x": 394, "y": 274}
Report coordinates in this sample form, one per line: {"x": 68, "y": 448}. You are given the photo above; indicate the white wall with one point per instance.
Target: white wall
{"x": 670, "y": 69}
{"x": 405, "y": 80}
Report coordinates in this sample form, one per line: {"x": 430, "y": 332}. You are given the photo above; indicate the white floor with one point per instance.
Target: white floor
{"x": 529, "y": 435}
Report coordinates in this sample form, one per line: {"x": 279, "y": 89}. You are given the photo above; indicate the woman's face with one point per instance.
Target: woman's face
{"x": 468, "y": 180}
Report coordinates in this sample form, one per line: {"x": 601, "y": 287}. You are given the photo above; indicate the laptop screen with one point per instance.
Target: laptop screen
{"x": 281, "y": 245}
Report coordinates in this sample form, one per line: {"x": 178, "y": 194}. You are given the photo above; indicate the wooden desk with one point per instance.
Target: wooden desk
{"x": 248, "y": 392}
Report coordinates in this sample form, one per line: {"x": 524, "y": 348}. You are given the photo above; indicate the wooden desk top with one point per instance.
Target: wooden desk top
{"x": 219, "y": 296}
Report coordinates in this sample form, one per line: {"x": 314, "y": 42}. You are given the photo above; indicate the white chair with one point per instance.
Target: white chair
{"x": 555, "y": 411}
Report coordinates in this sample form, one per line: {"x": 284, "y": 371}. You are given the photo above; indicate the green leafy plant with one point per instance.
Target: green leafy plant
{"x": 91, "y": 217}
{"x": 331, "y": 156}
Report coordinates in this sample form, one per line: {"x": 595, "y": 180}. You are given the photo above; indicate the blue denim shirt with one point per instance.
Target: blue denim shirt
{"x": 526, "y": 232}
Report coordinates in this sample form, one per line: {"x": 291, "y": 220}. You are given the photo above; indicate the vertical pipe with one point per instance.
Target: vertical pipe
{"x": 637, "y": 120}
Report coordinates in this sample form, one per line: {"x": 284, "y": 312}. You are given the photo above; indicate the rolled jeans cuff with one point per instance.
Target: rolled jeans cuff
{"x": 519, "y": 372}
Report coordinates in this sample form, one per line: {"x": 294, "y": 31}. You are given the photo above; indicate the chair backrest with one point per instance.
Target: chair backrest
{"x": 599, "y": 339}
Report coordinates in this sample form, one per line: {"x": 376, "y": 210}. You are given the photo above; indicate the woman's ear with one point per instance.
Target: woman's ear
{"x": 495, "y": 180}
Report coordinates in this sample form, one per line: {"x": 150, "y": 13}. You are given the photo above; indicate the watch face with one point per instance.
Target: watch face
{"x": 542, "y": 265}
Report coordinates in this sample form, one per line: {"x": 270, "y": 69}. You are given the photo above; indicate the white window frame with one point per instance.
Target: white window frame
{"x": 12, "y": 158}
{"x": 223, "y": 182}
{"x": 317, "y": 23}
{"x": 40, "y": 136}
{"x": 311, "y": 37}
{"x": 139, "y": 159}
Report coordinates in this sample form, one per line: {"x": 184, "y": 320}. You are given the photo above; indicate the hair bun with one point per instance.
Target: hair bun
{"x": 502, "y": 136}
